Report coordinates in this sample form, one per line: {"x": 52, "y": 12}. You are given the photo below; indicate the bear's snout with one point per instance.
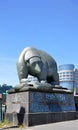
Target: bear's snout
{"x": 37, "y": 68}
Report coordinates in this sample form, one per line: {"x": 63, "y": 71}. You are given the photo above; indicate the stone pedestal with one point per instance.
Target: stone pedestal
{"x": 34, "y": 107}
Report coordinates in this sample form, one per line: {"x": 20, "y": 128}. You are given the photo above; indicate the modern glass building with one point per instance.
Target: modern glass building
{"x": 66, "y": 76}
{"x": 4, "y": 88}
{"x": 3, "y": 91}
{"x": 0, "y": 107}
{"x": 76, "y": 82}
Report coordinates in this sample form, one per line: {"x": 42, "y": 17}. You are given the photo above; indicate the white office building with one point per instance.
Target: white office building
{"x": 68, "y": 77}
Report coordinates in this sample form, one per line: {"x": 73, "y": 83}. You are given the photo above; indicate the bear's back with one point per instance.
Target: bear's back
{"x": 47, "y": 58}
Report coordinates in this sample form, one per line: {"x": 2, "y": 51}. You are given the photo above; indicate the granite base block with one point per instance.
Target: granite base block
{"x": 40, "y": 118}
{"x": 35, "y": 102}
{"x": 39, "y": 107}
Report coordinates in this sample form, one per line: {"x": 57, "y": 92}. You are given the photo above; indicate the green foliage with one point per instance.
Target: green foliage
{"x": 4, "y": 124}
{"x": 72, "y": 90}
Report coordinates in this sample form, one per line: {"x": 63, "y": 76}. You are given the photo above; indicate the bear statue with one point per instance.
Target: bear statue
{"x": 37, "y": 63}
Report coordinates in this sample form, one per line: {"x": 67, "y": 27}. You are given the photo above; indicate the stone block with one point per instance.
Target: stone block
{"x": 37, "y": 107}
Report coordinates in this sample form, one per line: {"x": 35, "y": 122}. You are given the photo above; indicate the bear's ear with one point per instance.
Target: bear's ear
{"x": 26, "y": 58}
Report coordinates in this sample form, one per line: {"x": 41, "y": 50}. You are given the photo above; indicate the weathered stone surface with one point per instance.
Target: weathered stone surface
{"x": 32, "y": 119}
{"x": 42, "y": 87}
{"x": 35, "y": 101}
{"x": 33, "y": 107}
{"x": 17, "y": 102}
{"x": 51, "y": 102}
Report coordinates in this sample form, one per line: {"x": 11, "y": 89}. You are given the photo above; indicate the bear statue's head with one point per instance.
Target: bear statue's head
{"x": 33, "y": 62}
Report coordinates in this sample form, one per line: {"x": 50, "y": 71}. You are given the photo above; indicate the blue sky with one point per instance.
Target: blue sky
{"x": 49, "y": 25}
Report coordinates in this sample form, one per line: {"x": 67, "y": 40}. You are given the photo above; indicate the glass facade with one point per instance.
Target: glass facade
{"x": 66, "y": 76}
{"x": 0, "y": 107}
{"x": 76, "y": 82}
{"x": 4, "y": 88}
{"x": 66, "y": 67}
